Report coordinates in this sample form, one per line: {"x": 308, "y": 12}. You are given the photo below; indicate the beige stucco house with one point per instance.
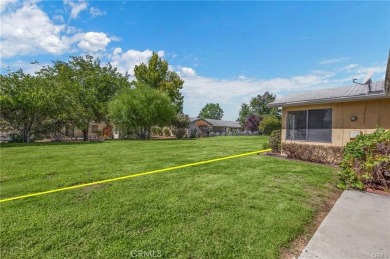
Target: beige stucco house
{"x": 334, "y": 116}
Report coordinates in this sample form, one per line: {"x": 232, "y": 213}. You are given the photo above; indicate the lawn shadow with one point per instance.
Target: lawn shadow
{"x": 56, "y": 143}
{"x": 44, "y": 144}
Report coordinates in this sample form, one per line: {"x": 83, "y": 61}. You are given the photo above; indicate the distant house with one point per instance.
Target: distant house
{"x": 334, "y": 116}
{"x": 206, "y": 126}
{"x": 202, "y": 126}
{"x": 95, "y": 130}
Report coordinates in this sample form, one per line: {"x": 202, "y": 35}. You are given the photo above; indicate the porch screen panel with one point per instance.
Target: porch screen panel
{"x": 320, "y": 125}
{"x": 296, "y": 125}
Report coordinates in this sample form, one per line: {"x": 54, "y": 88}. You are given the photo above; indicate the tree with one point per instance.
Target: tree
{"x": 258, "y": 105}
{"x": 180, "y": 125}
{"x": 88, "y": 86}
{"x": 156, "y": 75}
{"x": 252, "y": 122}
{"x": 137, "y": 110}
{"x": 28, "y": 103}
{"x": 211, "y": 111}
{"x": 269, "y": 123}
{"x": 245, "y": 111}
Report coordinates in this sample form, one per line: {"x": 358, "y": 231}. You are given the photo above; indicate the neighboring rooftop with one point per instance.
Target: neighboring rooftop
{"x": 339, "y": 94}
{"x": 219, "y": 123}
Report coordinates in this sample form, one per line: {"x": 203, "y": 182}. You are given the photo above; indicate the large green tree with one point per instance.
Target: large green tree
{"x": 87, "y": 86}
{"x": 29, "y": 104}
{"x": 135, "y": 111}
{"x": 211, "y": 111}
{"x": 245, "y": 111}
{"x": 259, "y": 104}
{"x": 156, "y": 75}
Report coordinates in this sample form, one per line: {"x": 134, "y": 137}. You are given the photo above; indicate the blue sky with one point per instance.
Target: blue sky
{"x": 226, "y": 52}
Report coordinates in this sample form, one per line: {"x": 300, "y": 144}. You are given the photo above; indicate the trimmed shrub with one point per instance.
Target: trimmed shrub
{"x": 275, "y": 141}
{"x": 180, "y": 125}
{"x": 193, "y": 133}
{"x": 329, "y": 155}
{"x": 156, "y": 131}
{"x": 252, "y": 123}
{"x": 268, "y": 124}
{"x": 366, "y": 162}
{"x": 167, "y": 132}
{"x": 266, "y": 146}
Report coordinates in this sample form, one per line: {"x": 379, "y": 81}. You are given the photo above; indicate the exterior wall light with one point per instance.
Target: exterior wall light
{"x": 353, "y": 118}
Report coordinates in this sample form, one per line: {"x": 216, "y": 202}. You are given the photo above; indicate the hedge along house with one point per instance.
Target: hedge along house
{"x": 334, "y": 116}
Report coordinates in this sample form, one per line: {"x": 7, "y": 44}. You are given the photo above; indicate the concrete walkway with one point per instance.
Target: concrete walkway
{"x": 358, "y": 226}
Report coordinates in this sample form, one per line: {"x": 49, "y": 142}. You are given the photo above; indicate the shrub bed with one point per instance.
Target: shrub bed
{"x": 366, "y": 162}
{"x": 275, "y": 141}
{"x": 329, "y": 155}
{"x": 269, "y": 124}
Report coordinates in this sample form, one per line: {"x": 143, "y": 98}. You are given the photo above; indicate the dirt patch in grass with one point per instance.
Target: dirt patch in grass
{"x": 302, "y": 240}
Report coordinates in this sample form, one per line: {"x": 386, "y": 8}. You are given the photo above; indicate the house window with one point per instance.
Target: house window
{"x": 95, "y": 128}
{"x": 310, "y": 125}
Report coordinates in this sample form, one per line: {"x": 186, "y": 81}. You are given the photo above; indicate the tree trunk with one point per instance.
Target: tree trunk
{"x": 85, "y": 134}
{"x": 26, "y": 135}
{"x": 148, "y": 132}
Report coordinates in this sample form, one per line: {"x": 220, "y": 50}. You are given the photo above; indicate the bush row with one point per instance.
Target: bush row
{"x": 196, "y": 134}
{"x": 314, "y": 153}
{"x": 366, "y": 162}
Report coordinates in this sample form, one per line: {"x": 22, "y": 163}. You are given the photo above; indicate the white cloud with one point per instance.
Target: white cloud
{"x": 94, "y": 42}
{"x": 333, "y": 60}
{"x": 126, "y": 61}
{"x": 377, "y": 68}
{"x": 230, "y": 93}
{"x": 59, "y": 18}
{"x": 76, "y": 7}
{"x": 4, "y": 4}
{"x": 359, "y": 72}
{"x": 94, "y": 11}
{"x": 115, "y": 38}
{"x": 186, "y": 71}
{"x": 316, "y": 77}
{"x": 349, "y": 68}
{"x": 28, "y": 30}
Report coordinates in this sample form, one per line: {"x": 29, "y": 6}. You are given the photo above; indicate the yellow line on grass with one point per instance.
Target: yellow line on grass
{"x": 132, "y": 175}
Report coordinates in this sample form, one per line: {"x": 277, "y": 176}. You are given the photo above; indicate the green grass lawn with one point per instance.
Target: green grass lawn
{"x": 246, "y": 207}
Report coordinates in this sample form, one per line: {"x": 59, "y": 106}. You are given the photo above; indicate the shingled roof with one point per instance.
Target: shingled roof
{"x": 219, "y": 123}
{"x": 339, "y": 94}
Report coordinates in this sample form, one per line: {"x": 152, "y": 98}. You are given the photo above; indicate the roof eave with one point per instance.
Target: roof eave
{"x": 331, "y": 100}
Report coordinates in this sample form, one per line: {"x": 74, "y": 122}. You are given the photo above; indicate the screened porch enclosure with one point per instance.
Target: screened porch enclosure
{"x": 310, "y": 125}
